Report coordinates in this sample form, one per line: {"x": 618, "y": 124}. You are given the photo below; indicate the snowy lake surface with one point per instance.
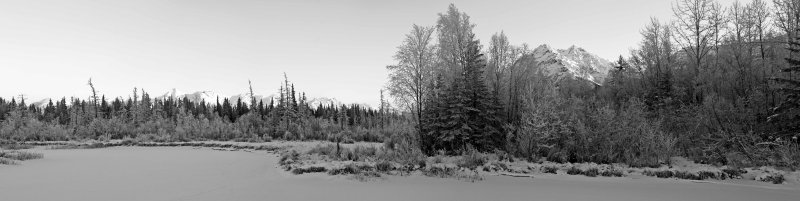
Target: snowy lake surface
{"x": 187, "y": 173}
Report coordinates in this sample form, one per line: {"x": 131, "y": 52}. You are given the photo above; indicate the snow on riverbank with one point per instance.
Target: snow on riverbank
{"x": 200, "y": 173}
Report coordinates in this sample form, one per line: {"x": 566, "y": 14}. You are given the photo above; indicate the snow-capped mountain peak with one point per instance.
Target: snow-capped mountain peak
{"x": 324, "y": 101}
{"x": 545, "y": 52}
{"x": 42, "y": 103}
{"x": 574, "y": 50}
{"x": 571, "y": 62}
{"x": 211, "y": 97}
{"x": 174, "y": 93}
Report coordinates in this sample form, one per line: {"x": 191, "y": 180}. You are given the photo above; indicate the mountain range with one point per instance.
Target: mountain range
{"x": 571, "y": 63}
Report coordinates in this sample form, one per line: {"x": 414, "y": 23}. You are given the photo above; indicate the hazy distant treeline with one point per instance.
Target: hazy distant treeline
{"x": 289, "y": 117}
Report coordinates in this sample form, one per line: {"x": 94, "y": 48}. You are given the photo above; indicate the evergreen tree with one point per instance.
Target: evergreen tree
{"x": 616, "y": 81}
{"x": 218, "y": 108}
{"x": 13, "y": 103}
{"x": 116, "y": 107}
{"x": 145, "y": 106}
{"x": 382, "y": 109}
{"x": 786, "y": 115}
{"x": 481, "y": 106}
{"x": 22, "y": 105}
{"x": 104, "y": 110}
{"x": 227, "y": 110}
{"x": 62, "y": 112}
{"x": 294, "y": 100}
{"x": 465, "y": 114}
{"x": 271, "y": 105}
{"x": 260, "y": 108}
{"x": 3, "y": 109}
{"x": 49, "y": 112}
{"x": 454, "y": 120}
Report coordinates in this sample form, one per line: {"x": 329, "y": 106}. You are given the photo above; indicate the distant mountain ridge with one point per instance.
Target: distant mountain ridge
{"x": 211, "y": 97}
{"x": 573, "y": 62}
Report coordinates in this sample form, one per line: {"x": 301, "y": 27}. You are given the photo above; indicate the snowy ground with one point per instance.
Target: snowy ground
{"x": 191, "y": 173}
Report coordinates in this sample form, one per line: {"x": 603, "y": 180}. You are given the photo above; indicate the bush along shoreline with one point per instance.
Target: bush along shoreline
{"x": 375, "y": 161}
{"x": 14, "y": 153}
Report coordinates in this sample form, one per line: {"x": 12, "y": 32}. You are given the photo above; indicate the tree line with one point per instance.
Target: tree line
{"x": 288, "y": 116}
{"x": 716, "y": 84}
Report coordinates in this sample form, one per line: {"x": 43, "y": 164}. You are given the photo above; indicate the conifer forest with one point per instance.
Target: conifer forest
{"x": 717, "y": 84}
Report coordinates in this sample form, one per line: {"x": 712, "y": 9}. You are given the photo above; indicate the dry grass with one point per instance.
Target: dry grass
{"x": 351, "y": 168}
{"x": 441, "y": 171}
{"x": 20, "y": 155}
{"x": 289, "y": 158}
{"x": 550, "y": 169}
{"x": 734, "y": 173}
{"x": 611, "y": 173}
{"x": 310, "y": 169}
{"x": 366, "y": 176}
{"x": 384, "y": 166}
{"x": 340, "y": 152}
{"x": 574, "y": 171}
{"x": 682, "y": 174}
{"x": 96, "y": 145}
{"x": 774, "y": 178}
{"x": 15, "y": 146}
{"x": 591, "y": 172}
{"x": 5, "y": 161}
{"x": 472, "y": 160}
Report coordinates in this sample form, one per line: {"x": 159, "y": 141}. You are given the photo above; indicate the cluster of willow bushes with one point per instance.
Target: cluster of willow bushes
{"x": 574, "y": 130}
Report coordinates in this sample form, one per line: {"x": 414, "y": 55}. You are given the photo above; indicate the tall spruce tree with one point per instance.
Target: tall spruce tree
{"x": 62, "y": 112}
{"x": 786, "y": 115}
{"x": 466, "y": 114}
{"x": 480, "y": 106}
{"x": 49, "y": 112}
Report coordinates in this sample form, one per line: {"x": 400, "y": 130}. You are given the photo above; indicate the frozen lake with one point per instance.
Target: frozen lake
{"x": 185, "y": 173}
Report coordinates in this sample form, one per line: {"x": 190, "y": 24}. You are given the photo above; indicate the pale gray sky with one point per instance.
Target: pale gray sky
{"x": 50, "y": 48}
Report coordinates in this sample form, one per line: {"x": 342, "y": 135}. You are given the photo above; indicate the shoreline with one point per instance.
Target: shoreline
{"x": 494, "y": 167}
{"x": 206, "y": 173}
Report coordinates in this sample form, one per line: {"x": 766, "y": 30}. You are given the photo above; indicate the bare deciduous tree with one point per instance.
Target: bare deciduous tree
{"x": 656, "y": 47}
{"x": 742, "y": 36}
{"x": 786, "y": 16}
{"x": 252, "y": 95}
{"x": 408, "y": 80}
{"x": 656, "y": 57}
{"x": 500, "y": 74}
{"x": 94, "y": 98}
{"x": 694, "y": 32}
{"x": 516, "y": 79}
{"x": 455, "y": 35}
{"x": 718, "y": 26}
{"x": 759, "y": 14}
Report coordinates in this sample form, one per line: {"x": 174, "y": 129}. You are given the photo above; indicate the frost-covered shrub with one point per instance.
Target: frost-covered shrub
{"x": 550, "y": 169}
{"x": 20, "y": 126}
{"x": 591, "y": 172}
{"x": 472, "y": 160}
{"x": 572, "y": 130}
{"x": 384, "y": 166}
{"x": 611, "y": 173}
{"x": 574, "y": 171}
